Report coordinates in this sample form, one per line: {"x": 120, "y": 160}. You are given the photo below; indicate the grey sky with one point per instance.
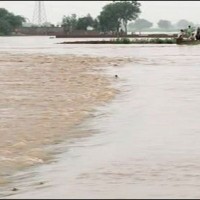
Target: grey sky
{"x": 151, "y": 10}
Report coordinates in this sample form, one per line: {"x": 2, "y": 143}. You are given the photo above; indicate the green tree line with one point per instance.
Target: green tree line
{"x": 9, "y": 22}
{"x": 165, "y": 25}
{"x": 113, "y": 17}
{"x": 120, "y": 15}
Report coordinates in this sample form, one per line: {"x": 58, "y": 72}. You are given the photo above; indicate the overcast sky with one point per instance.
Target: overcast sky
{"x": 151, "y": 10}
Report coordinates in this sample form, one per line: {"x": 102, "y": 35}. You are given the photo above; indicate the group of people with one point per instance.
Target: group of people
{"x": 189, "y": 33}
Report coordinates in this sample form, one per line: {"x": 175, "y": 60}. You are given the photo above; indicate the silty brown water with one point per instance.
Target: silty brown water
{"x": 41, "y": 98}
{"x": 147, "y": 144}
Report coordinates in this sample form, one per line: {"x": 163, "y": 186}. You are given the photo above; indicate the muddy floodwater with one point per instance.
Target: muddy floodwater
{"x": 71, "y": 129}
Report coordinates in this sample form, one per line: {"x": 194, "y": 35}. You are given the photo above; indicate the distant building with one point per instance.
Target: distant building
{"x": 89, "y": 28}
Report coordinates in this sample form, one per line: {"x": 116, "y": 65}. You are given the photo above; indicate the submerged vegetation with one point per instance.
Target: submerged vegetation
{"x": 127, "y": 41}
{"x": 144, "y": 41}
{"x": 121, "y": 41}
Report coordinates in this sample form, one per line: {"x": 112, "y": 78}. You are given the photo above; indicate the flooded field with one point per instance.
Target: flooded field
{"x": 132, "y": 137}
{"x": 41, "y": 98}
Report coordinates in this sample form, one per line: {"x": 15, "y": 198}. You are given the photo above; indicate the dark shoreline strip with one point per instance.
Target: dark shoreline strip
{"x": 153, "y": 41}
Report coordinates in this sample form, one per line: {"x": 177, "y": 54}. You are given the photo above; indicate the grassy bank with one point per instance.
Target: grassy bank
{"x": 126, "y": 41}
{"x": 143, "y": 41}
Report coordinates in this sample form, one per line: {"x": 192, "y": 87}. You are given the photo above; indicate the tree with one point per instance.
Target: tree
{"x": 117, "y": 14}
{"x": 164, "y": 24}
{"x": 109, "y": 18}
{"x": 96, "y": 24}
{"x": 9, "y": 22}
{"x": 5, "y": 27}
{"x": 85, "y": 22}
{"x": 141, "y": 24}
{"x": 129, "y": 10}
{"x": 69, "y": 22}
{"x": 182, "y": 24}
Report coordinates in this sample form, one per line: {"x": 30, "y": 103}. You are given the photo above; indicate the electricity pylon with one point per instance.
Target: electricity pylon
{"x": 39, "y": 15}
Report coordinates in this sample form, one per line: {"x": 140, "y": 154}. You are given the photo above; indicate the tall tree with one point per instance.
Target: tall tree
{"x": 69, "y": 22}
{"x": 129, "y": 10}
{"x": 164, "y": 24}
{"x": 9, "y": 22}
{"x": 85, "y": 22}
{"x": 141, "y": 24}
{"x": 109, "y": 18}
{"x": 183, "y": 23}
{"x": 117, "y": 14}
{"x": 96, "y": 24}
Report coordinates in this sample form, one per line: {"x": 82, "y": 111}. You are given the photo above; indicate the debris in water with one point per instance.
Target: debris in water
{"x": 15, "y": 189}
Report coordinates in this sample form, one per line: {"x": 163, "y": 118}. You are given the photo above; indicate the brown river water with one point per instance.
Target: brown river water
{"x": 70, "y": 129}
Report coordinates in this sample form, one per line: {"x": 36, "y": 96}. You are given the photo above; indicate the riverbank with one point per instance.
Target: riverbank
{"x": 42, "y": 98}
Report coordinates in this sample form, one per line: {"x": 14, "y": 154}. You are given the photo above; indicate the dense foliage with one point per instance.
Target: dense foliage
{"x": 117, "y": 14}
{"x": 143, "y": 41}
{"x": 113, "y": 17}
{"x": 182, "y": 24}
{"x": 71, "y": 23}
{"x": 140, "y": 24}
{"x": 164, "y": 24}
{"x": 9, "y": 22}
{"x": 120, "y": 16}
